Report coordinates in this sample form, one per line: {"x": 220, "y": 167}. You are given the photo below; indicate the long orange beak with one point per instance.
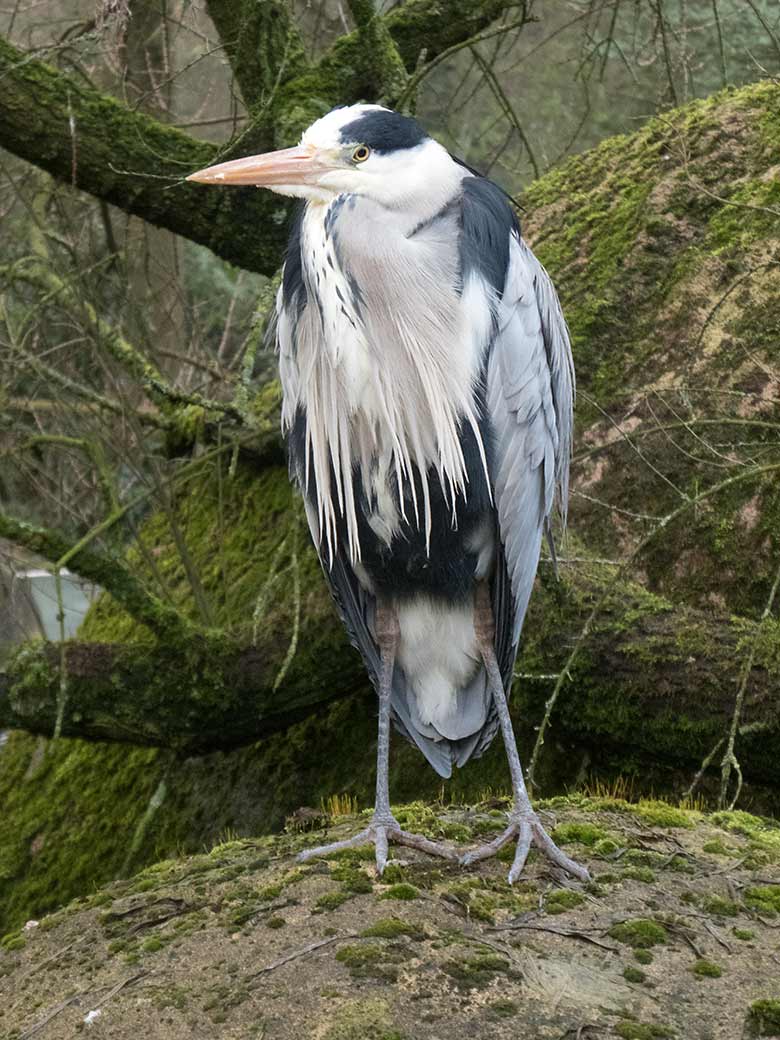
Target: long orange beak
{"x": 299, "y": 165}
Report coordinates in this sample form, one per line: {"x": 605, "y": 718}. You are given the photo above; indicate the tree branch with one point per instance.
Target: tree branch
{"x": 88, "y": 139}
{"x": 107, "y": 571}
{"x": 351, "y": 70}
{"x": 262, "y": 44}
{"x": 651, "y": 680}
{"x": 132, "y": 161}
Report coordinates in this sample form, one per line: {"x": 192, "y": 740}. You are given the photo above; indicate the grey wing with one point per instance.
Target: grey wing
{"x": 529, "y": 402}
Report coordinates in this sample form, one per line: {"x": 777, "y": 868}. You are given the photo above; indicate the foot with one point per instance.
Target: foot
{"x": 526, "y": 826}
{"x": 383, "y": 829}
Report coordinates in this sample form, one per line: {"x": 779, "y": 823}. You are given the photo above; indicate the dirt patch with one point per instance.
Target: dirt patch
{"x": 677, "y": 935}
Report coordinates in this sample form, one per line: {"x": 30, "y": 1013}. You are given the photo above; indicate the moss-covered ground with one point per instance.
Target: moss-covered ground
{"x": 243, "y": 941}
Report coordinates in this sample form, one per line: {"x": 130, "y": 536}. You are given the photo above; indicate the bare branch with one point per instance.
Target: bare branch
{"x": 107, "y": 571}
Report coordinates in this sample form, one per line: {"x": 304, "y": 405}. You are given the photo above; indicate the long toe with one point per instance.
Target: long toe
{"x": 528, "y": 830}
{"x": 492, "y": 848}
{"x": 418, "y": 841}
{"x": 524, "y": 838}
{"x": 544, "y": 842}
{"x": 380, "y": 847}
{"x": 363, "y": 838}
{"x": 379, "y": 833}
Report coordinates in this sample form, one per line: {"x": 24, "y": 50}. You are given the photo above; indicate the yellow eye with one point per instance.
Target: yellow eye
{"x": 361, "y": 153}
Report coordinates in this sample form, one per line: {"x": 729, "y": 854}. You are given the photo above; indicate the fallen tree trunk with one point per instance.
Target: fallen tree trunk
{"x": 657, "y": 678}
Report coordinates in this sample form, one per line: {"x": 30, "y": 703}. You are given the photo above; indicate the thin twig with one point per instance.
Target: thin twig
{"x": 730, "y": 760}
{"x": 568, "y": 933}
{"x": 296, "y": 954}
{"x": 36, "y": 1027}
{"x": 690, "y": 503}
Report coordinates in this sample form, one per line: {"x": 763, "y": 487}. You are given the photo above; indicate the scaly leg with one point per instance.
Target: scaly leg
{"x": 524, "y": 824}
{"x": 384, "y": 827}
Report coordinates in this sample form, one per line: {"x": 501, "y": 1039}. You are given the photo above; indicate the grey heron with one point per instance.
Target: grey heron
{"x": 427, "y": 397}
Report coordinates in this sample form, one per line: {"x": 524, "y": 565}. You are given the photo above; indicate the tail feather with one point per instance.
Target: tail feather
{"x": 474, "y": 720}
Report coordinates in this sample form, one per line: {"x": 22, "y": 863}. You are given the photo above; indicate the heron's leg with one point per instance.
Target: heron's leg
{"x": 384, "y": 827}
{"x": 524, "y": 824}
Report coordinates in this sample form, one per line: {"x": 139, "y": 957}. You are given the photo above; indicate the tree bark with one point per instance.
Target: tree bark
{"x": 651, "y": 677}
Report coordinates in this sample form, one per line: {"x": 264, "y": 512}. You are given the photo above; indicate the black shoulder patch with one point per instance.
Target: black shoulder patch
{"x": 465, "y": 165}
{"x": 293, "y": 285}
{"x": 384, "y": 131}
{"x": 486, "y": 226}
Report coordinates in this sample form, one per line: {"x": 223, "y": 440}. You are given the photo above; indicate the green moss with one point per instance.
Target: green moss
{"x": 561, "y": 900}
{"x": 764, "y": 1017}
{"x": 475, "y": 971}
{"x": 743, "y": 934}
{"x": 715, "y": 848}
{"x": 661, "y": 814}
{"x": 171, "y": 997}
{"x": 720, "y": 907}
{"x": 369, "y": 960}
{"x": 638, "y": 874}
{"x": 393, "y": 873}
{"x": 362, "y": 1020}
{"x": 764, "y": 898}
{"x": 630, "y": 1030}
{"x": 605, "y": 848}
{"x": 332, "y": 900}
{"x": 401, "y": 891}
{"x": 391, "y": 928}
{"x": 640, "y": 933}
{"x": 643, "y": 956}
{"x": 503, "y": 1009}
{"x": 582, "y": 833}
{"x": 657, "y": 252}
{"x": 762, "y": 832}
{"x": 707, "y": 969}
{"x": 634, "y": 975}
{"x": 13, "y": 941}
{"x": 275, "y": 922}
{"x": 352, "y": 878}
{"x": 152, "y": 944}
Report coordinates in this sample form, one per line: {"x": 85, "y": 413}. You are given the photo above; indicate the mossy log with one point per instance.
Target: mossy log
{"x": 665, "y": 248}
{"x": 674, "y": 669}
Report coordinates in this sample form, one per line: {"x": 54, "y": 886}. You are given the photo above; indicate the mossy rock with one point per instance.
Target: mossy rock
{"x": 189, "y": 945}
{"x": 663, "y": 245}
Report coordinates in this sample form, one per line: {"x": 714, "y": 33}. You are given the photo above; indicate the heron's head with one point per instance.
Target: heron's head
{"x": 360, "y": 150}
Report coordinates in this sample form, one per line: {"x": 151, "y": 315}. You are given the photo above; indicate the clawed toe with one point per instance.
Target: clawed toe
{"x": 379, "y": 833}
{"x": 528, "y": 830}
{"x": 524, "y": 827}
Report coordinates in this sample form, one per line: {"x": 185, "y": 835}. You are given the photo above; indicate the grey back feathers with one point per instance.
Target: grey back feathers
{"x": 456, "y": 323}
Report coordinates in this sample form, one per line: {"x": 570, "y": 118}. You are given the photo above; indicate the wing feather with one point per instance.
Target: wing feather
{"x": 530, "y": 392}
